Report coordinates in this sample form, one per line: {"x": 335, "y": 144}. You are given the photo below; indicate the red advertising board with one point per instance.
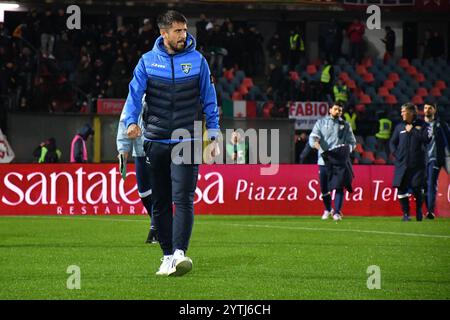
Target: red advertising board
{"x": 69, "y": 189}
{"x": 110, "y": 106}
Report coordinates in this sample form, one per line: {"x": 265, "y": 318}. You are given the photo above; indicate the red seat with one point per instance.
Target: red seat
{"x": 389, "y": 84}
{"x": 417, "y": 100}
{"x": 440, "y": 84}
{"x": 379, "y": 161}
{"x": 411, "y": 70}
{"x": 361, "y": 69}
{"x": 367, "y": 62}
{"x": 293, "y": 75}
{"x": 368, "y": 155}
{"x": 383, "y": 91}
{"x": 359, "y": 148}
{"x": 422, "y": 92}
{"x": 243, "y": 90}
{"x": 419, "y": 77}
{"x": 368, "y": 77}
{"x": 394, "y": 77}
{"x": 344, "y": 76}
{"x": 404, "y": 63}
{"x": 360, "y": 108}
{"x": 390, "y": 99}
{"x": 311, "y": 69}
{"x": 236, "y": 96}
{"x": 365, "y": 99}
{"x": 351, "y": 84}
{"x": 229, "y": 75}
{"x": 435, "y": 92}
{"x": 247, "y": 82}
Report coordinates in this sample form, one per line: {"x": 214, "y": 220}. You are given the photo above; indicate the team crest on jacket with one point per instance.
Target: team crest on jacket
{"x": 186, "y": 67}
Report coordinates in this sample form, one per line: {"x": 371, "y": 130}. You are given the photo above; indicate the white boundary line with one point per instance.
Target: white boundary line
{"x": 406, "y": 234}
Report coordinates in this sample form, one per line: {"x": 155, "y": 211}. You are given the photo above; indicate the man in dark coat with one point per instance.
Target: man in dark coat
{"x": 436, "y": 157}
{"x": 408, "y": 145}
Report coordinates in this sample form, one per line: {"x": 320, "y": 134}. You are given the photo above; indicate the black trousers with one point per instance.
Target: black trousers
{"x": 171, "y": 183}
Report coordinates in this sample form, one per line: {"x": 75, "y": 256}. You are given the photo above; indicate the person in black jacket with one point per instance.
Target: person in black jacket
{"x": 408, "y": 147}
{"x": 435, "y": 154}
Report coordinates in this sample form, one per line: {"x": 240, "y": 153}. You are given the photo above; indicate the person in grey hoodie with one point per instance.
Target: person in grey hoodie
{"x": 328, "y": 133}
{"x": 124, "y": 146}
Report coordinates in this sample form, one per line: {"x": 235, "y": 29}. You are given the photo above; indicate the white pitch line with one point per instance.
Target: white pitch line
{"x": 255, "y": 226}
{"x": 340, "y": 230}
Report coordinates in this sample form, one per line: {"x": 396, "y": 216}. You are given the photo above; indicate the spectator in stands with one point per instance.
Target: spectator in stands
{"x": 47, "y": 152}
{"x": 425, "y": 46}
{"x": 351, "y": 117}
{"x": 389, "y": 42}
{"x": 257, "y": 58}
{"x": 237, "y": 149}
{"x": 435, "y": 157}
{"x": 340, "y": 92}
{"x": 274, "y": 45}
{"x": 216, "y": 47}
{"x": 304, "y": 154}
{"x": 275, "y": 90}
{"x": 78, "y": 150}
{"x": 329, "y": 34}
{"x": 384, "y": 133}
{"x": 408, "y": 146}
{"x": 200, "y": 27}
{"x": 326, "y": 79}
{"x": 296, "y": 48}
{"x": 437, "y": 45}
{"x": 147, "y": 36}
{"x": 47, "y": 23}
{"x": 355, "y": 33}
{"x": 84, "y": 73}
{"x": 230, "y": 45}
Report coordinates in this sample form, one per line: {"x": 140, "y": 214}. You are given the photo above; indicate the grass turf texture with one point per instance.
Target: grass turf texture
{"x": 235, "y": 257}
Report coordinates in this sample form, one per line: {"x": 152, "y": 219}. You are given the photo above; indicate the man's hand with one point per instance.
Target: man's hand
{"x": 215, "y": 151}
{"x": 408, "y": 127}
{"x": 317, "y": 145}
{"x": 134, "y": 131}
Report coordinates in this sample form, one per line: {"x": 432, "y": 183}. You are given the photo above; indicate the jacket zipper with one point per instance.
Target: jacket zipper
{"x": 173, "y": 94}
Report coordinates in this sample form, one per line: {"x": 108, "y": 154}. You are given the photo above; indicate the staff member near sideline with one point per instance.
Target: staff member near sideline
{"x": 179, "y": 90}
{"x": 408, "y": 145}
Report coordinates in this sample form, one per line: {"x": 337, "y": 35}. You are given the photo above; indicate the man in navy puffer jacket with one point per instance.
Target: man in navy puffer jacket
{"x": 179, "y": 90}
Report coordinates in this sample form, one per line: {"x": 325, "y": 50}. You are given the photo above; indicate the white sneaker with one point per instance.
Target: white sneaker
{"x": 165, "y": 266}
{"x": 337, "y": 217}
{"x": 180, "y": 264}
{"x": 327, "y": 214}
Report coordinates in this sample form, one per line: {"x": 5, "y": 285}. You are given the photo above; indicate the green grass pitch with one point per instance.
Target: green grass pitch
{"x": 235, "y": 257}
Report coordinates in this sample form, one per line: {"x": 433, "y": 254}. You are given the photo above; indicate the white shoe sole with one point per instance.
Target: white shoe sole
{"x": 182, "y": 267}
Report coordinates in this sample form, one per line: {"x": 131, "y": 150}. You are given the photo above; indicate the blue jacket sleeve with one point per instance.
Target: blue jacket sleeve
{"x": 137, "y": 87}
{"x": 209, "y": 100}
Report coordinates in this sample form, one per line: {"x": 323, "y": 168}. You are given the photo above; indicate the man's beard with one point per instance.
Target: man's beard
{"x": 176, "y": 48}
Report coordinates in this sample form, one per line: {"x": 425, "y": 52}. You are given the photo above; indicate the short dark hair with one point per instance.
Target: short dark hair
{"x": 336, "y": 103}
{"x": 410, "y": 107}
{"x": 166, "y": 19}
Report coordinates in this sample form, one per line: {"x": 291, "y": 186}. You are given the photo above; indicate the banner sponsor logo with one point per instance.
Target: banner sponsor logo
{"x": 70, "y": 189}
{"x": 110, "y": 106}
{"x": 307, "y": 113}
